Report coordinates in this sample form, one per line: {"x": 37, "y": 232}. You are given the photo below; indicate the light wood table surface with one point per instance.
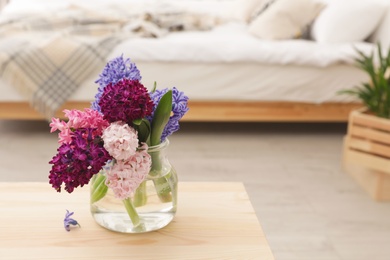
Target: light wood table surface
{"x": 215, "y": 220}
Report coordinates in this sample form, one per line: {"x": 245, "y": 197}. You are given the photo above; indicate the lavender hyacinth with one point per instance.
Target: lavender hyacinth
{"x": 179, "y": 108}
{"x": 115, "y": 70}
{"x": 69, "y": 221}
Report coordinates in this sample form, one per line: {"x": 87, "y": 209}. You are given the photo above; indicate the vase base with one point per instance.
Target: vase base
{"x": 120, "y": 222}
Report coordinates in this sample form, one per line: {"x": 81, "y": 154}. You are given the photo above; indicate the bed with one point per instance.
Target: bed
{"x": 228, "y": 74}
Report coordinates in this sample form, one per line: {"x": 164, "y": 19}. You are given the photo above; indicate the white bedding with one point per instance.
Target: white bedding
{"x": 250, "y": 81}
{"x": 232, "y": 43}
{"x": 226, "y": 63}
{"x": 228, "y": 42}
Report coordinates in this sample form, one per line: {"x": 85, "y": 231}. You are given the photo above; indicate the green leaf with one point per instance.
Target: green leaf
{"x": 375, "y": 94}
{"x": 137, "y": 121}
{"x": 154, "y": 87}
{"x": 161, "y": 117}
{"x": 143, "y": 129}
{"x": 99, "y": 188}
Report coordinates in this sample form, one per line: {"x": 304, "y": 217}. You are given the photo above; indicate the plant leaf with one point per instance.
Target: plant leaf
{"x": 161, "y": 117}
{"x": 375, "y": 94}
{"x": 99, "y": 188}
{"x": 137, "y": 121}
{"x": 154, "y": 87}
{"x": 143, "y": 129}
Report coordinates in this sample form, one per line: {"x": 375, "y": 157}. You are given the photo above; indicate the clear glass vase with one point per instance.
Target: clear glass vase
{"x": 151, "y": 207}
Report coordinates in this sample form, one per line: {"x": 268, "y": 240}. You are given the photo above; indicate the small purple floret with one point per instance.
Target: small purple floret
{"x": 69, "y": 221}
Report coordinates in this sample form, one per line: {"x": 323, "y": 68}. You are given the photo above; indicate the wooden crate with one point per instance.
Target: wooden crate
{"x": 367, "y": 153}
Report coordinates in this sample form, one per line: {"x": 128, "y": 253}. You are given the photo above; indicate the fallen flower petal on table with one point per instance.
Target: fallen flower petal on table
{"x": 69, "y": 221}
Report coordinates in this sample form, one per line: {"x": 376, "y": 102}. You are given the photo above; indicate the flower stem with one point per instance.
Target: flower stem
{"x": 99, "y": 188}
{"x": 131, "y": 212}
{"x": 163, "y": 189}
{"x": 161, "y": 184}
{"x": 140, "y": 197}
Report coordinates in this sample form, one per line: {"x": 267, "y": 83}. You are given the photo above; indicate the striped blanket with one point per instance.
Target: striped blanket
{"x": 47, "y": 57}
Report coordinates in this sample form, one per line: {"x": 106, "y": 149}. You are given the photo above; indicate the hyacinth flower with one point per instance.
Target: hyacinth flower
{"x": 77, "y": 161}
{"x": 81, "y": 153}
{"x": 110, "y": 143}
{"x": 68, "y": 221}
{"x": 179, "y": 109}
{"x": 129, "y": 168}
{"x": 121, "y": 104}
{"x": 169, "y": 107}
{"x": 154, "y": 115}
{"x": 78, "y": 119}
{"x": 115, "y": 70}
{"x": 126, "y": 101}
{"x": 160, "y": 119}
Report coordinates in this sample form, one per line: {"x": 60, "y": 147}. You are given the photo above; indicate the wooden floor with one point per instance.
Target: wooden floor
{"x": 309, "y": 209}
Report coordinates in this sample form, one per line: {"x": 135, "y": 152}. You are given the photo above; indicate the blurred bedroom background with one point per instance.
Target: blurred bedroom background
{"x": 264, "y": 80}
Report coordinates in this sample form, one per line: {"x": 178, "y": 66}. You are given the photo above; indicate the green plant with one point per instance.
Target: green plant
{"x": 375, "y": 94}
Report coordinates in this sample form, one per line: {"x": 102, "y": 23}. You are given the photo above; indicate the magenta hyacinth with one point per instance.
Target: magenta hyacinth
{"x": 125, "y": 101}
{"x": 115, "y": 70}
{"x": 77, "y": 161}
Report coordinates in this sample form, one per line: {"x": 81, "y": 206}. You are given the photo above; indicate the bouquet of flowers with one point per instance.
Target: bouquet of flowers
{"x": 114, "y": 135}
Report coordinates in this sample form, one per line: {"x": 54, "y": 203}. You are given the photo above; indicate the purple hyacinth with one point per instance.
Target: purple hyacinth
{"x": 77, "y": 161}
{"x": 69, "y": 221}
{"x": 115, "y": 70}
{"x": 179, "y": 108}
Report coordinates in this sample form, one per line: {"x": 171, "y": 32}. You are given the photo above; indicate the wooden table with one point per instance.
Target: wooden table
{"x": 215, "y": 220}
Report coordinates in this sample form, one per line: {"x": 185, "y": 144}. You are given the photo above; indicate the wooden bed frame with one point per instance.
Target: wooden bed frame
{"x": 219, "y": 111}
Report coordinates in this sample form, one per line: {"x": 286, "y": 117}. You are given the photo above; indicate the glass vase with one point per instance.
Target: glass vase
{"x": 151, "y": 207}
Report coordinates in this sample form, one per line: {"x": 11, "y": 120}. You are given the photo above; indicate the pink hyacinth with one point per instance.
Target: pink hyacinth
{"x": 126, "y": 176}
{"x": 65, "y": 136}
{"x": 88, "y": 118}
{"x": 57, "y": 124}
{"x": 78, "y": 119}
{"x": 120, "y": 140}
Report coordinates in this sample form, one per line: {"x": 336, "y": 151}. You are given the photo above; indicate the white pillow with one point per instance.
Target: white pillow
{"x": 382, "y": 33}
{"x": 242, "y": 10}
{"x": 285, "y": 19}
{"x": 347, "y": 21}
